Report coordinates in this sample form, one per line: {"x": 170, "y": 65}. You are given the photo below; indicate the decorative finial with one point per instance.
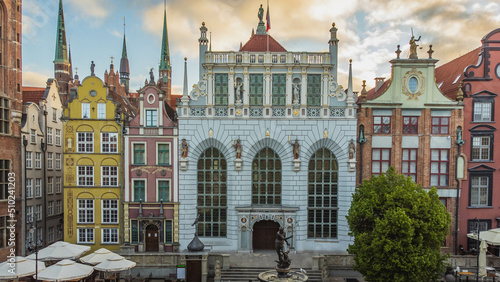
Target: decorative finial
{"x": 430, "y": 51}
{"x": 203, "y": 23}
{"x": 350, "y": 61}
{"x": 112, "y": 59}
{"x": 460, "y": 94}
{"x": 333, "y": 24}
{"x": 185, "y": 58}
{"x": 398, "y": 52}
{"x": 363, "y": 92}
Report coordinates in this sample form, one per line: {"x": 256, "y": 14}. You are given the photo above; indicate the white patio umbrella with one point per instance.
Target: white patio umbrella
{"x": 115, "y": 264}
{"x": 65, "y": 270}
{"x": 60, "y": 250}
{"x": 19, "y": 267}
{"x": 98, "y": 256}
{"x": 491, "y": 236}
{"x": 482, "y": 258}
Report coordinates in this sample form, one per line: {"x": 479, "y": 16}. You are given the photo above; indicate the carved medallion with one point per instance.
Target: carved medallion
{"x": 413, "y": 84}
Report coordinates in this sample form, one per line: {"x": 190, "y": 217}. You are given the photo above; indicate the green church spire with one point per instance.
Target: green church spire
{"x": 165, "y": 55}
{"x": 61, "y": 47}
{"x": 124, "y": 67}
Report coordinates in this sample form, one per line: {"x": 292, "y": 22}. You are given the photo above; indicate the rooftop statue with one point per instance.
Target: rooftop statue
{"x": 261, "y": 13}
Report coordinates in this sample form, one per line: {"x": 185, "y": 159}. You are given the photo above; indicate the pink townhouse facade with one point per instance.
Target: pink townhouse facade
{"x": 151, "y": 178}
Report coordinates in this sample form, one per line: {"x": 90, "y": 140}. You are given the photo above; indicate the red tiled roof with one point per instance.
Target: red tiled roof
{"x": 172, "y": 102}
{"x": 32, "y": 94}
{"x": 448, "y": 73}
{"x": 372, "y": 94}
{"x": 259, "y": 43}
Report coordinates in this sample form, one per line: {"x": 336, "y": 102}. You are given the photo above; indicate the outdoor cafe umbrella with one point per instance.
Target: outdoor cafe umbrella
{"x": 491, "y": 236}
{"x": 18, "y": 267}
{"x": 98, "y": 256}
{"x": 60, "y": 250}
{"x": 482, "y": 258}
{"x": 65, "y": 270}
{"x": 115, "y": 263}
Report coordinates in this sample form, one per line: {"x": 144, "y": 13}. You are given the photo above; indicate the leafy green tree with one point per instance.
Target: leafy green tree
{"x": 398, "y": 230}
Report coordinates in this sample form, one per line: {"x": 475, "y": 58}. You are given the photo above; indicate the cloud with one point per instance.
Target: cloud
{"x": 97, "y": 10}
{"x": 37, "y": 79}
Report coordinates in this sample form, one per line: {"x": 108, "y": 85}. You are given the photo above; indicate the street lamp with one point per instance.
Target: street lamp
{"x": 33, "y": 243}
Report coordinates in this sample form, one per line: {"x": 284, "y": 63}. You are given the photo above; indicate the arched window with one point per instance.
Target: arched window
{"x": 212, "y": 194}
{"x": 322, "y": 203}
{"x": 266, "y": 178}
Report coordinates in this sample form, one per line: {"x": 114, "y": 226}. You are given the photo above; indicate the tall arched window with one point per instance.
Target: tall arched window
{"x": 212, "y": 194}
{"x": 266, "y": 178}
{"x": 322, "y": 203}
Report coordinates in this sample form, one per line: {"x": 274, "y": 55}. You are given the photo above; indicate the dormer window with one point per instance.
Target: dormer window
{"x": 151, "y": 118}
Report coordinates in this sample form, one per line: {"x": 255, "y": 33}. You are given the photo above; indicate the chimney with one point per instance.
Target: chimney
{"x": 379, "y": 81}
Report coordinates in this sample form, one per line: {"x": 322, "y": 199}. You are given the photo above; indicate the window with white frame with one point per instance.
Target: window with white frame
{"x": 109, "y": 175}
{"x": 54, "y": 114}
{"x": 58, "y": 184}
{"x": 85, "y": 211}
{"x": 480, "y": 190}
{"x": 85, "y": 235}
{"x": 85, "y": 142}
{"x": 58, "y": 137}
{"x": 29, "y": 187}
{"x": 58, "y": 161}
{"x": 110, "y": 235}
{"x": 38, "y": 211}
{"x": 50, "y": 185}
{"x": 151, "y": 118}
{"x": 85, "y": 175}
{"x": 38, "y": 187}
{"x": 381, "y": 160}
{"x": 482, "y": 148}
{"x": 101, "y": 110}
{"x": 30, "y": 214}
{"x": 29, "y": 159}
{"x": 38, "y": 160}
{"x": 109, "y": 142}
{"x": 50, "y": 208}
{"x": 50, "y": 160}
{"x": 58, "y": 206}
{"x": 50, "y": 234}
{"x": 50, "y": 135}
{"x": 86, "y": 110}
{"x": 482, "y": 111}
{"x": 33, "y": 136}
{"x": 163, "y": 154}
{"x": 139, "y": 153}
{"x": 109, "y": 211}
{"x": 163, "y": 190}
{"x": 139, "y": 190}
{"x": 439, "y": 167}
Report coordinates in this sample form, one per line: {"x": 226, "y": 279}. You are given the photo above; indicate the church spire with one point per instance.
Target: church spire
{"x": 70, "y": 64}
{"x": 165, "y": 54}
{"x": 61, "y": 47}
{"x": 124, "y": 68}
{"x": 61, "y": 61}
{"x": 165, "y": 70}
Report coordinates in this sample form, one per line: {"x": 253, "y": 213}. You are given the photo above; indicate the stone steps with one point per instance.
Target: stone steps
{"x": 251, "y": 274}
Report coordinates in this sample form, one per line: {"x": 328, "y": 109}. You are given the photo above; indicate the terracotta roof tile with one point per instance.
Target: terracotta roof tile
{"x": 32, "y": 94}
{"x": 258, "y": 43}
{"x": 372, "y": 94}
{"x": 447, "y": 74}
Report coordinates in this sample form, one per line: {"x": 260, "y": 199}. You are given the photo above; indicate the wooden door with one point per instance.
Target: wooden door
{"x": 152, "y": 238}
{"x": 193, "y": 271}
{"x": 264, "y": 235}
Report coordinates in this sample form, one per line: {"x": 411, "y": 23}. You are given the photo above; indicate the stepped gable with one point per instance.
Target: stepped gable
{"x": 448, "y": 73}
{"x": 258, "y": 43}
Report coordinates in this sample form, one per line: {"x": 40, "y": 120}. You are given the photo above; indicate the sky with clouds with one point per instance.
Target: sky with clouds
{"x": 368, "y": 30}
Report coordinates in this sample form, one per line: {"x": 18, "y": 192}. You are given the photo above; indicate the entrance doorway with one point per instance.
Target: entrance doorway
{"x": 193, "y": 271}
{"x": 152, "y": 239}
{"x": 264, "y": 234}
